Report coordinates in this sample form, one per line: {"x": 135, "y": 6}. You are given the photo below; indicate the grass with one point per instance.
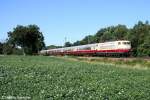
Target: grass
{"x": 55, "y": 78}
{"x": 128, "y": 62}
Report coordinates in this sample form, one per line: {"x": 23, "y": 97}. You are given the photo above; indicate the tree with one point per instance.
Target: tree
{"x": 76, "y": 43}
{"x": 120, "y": 32}
{"x": 112, "y": 33}
{"x": 53, "y": 47}
{"x": 99, "y": 34}
{"x": 7, "y": 48}
{"x": 140, "y": 38}
{"x": 29, "y": 38}
{"x": 68, "y": 44}
{"x": 87, "y": 40}
{"x": 1, "y": 48}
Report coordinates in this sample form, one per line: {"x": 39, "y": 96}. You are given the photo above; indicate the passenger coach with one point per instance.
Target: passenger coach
{"x": 113, "y": 48}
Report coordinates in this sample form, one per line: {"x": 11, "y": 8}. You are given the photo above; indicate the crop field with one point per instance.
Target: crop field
{"x": 58, "y": 78}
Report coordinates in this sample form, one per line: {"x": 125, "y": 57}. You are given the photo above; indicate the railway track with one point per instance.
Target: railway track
{"x": 117, "y": 58}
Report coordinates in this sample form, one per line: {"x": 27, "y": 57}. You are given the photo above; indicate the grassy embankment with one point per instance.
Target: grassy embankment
{"x": 139, "y": 63}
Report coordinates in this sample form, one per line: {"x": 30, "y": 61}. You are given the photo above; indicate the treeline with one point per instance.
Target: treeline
{"x": 29, "y": 40}
{"x": 139, "y": 36}
{"x": 23, "y": 40}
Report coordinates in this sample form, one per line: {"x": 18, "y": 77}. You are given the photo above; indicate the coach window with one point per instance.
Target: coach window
{"x": 87, "y": 48}
{"x": 119, "y": 43}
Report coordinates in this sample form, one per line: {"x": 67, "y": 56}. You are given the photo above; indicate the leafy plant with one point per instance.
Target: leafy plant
{"x": 44, "y": 78}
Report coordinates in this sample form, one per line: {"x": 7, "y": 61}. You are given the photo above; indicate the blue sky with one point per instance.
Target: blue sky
{"x": 72, "y": 19}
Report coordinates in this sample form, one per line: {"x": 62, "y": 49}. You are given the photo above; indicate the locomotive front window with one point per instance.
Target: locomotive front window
{"x": 126, "y": 43}
{"x": 119, "y": 43}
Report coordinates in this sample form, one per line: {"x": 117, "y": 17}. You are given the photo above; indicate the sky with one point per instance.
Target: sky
{"x": 70, "y": 19}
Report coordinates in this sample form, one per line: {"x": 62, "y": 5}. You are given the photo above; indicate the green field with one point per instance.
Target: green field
{"x": 58, "y": 78}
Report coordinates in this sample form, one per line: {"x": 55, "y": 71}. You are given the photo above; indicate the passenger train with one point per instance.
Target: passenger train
{"x": 113, "y": 48}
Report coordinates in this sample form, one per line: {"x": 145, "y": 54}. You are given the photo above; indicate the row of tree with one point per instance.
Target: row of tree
{"x": 29, "y": 40}
{"x": 23, "y": 40}
{"x": 139, "y": 36}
